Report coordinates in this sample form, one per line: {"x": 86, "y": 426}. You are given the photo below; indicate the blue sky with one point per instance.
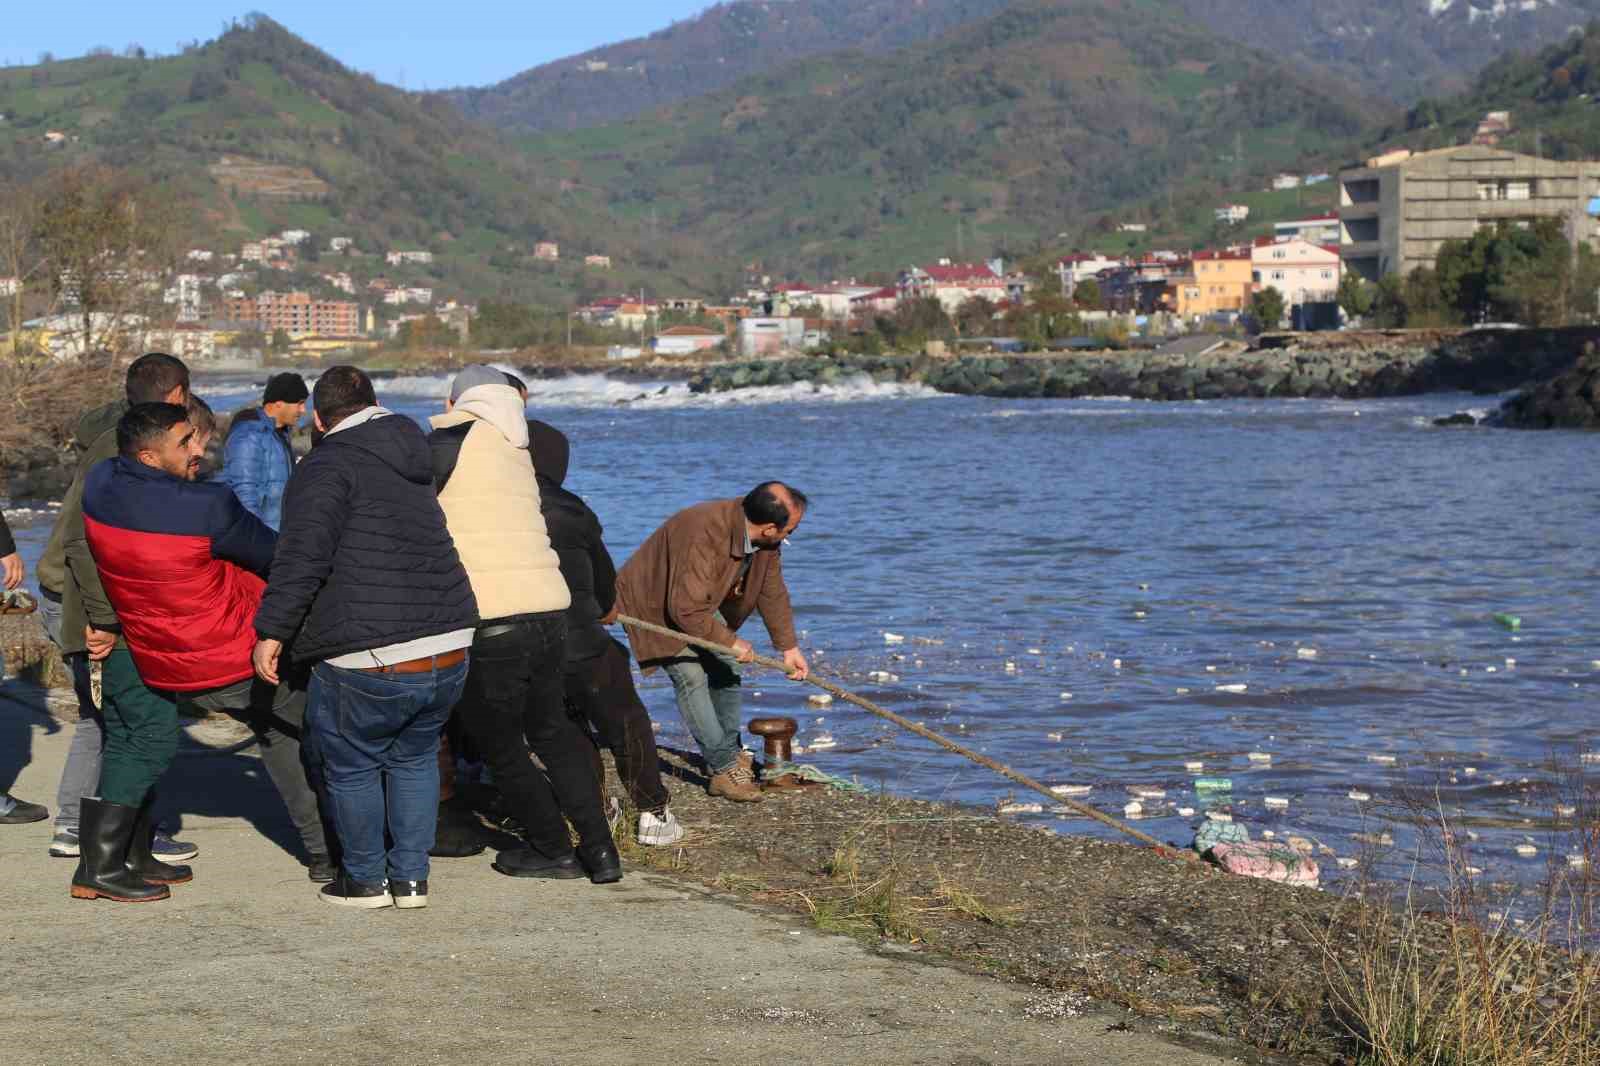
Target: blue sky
{"x": 421, "y": 45}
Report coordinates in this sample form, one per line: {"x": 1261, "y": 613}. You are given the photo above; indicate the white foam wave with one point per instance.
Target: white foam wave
{"x": 598, "y": 391}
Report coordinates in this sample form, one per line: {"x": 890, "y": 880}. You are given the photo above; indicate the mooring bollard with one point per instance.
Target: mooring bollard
{"x": 776, "y": 735}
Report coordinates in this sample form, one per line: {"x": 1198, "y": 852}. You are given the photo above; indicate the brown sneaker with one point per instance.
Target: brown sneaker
{"x": 736, "y": 783}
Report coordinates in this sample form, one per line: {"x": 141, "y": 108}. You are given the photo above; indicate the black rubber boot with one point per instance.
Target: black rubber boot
{"x": 459, "y": 833}
{"x": 145, "y": 865}
{"x": 602, "y": 861}
{"x": 104, "y": 831}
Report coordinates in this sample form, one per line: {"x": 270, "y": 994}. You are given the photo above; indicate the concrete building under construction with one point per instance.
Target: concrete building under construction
{"x": 1397, "y": 209}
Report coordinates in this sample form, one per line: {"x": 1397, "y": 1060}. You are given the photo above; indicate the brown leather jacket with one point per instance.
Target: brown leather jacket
{"x": 688, "y": 570}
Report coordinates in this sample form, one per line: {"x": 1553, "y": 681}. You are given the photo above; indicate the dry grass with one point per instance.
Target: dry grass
{"x": 41, "y": 402}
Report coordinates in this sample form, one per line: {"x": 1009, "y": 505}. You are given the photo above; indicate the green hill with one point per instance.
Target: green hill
{"x": 999, "y": 135}
{"x": 262, "y": 131}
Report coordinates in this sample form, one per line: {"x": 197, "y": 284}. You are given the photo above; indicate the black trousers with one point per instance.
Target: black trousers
{"x": 513, "y": 702}
{"x": 601, "y": 691}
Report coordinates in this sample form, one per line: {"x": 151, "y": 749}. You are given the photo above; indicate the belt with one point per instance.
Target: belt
{"x": 420, "y": 666}
{"x": 497, "y": 630}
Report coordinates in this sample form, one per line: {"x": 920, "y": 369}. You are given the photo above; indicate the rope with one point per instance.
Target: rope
{"x": 807, "y": 772}
{"x": 927, "y": 734}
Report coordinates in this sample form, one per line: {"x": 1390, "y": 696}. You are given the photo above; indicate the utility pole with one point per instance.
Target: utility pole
{"x": 961, "y": 244}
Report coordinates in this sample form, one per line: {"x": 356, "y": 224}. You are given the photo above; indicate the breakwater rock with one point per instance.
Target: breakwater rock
{"x": 1570, "y": 400}
{"x": 1351, "y": 366}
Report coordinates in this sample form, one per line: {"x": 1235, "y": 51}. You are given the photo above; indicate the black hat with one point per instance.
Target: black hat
{"x": 285, "y": 388}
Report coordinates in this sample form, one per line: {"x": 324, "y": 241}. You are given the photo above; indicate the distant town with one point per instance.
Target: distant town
{"x": 302, "y": 295}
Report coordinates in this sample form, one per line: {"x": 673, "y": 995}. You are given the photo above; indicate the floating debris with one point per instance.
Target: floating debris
{"x": 893, "y": 638}
{"x": 1072, "y": 790}
{"x": 1267, "y": 834}
{"x": 1185, "y": 812}
{"x": 1194, "y": 766}
{"x": 1011, "y": 667}
{"x": 1054, "y": 736}
{"x": 883, "y": 677}
{"x": 823, "y": 740}
{"x": 1219, "y": 816}
{"x": 1359, "y": 796}
{"x": 1302, "y": 845}
{"x": 1511, "y": 663}
{"x": 1277, "y": 802}
{"x": 930, "y": 641}
{"x": 1211, "y": 669}
{"x": 1232, "y": 688}
{"x": 1306, "y": 653}
{"x": 1149, "y": 793}
{"x": 1386, "y": 760}
{"x": 1181, "y": 691}
{"x": 1470, "y": 771}
{"x": 1213, "y": 784}
{"x": 1348, "y": 863}
{"x": 1475, "y": 871}
{"x": 1383, "y": 839}
{"x": 1590, "y": 757}
{"x": 1259, "y": 756}
{"x": 1066, "y": 696}
{"x": 821, "y": 699}
{"x": 1035, "y": 651}
{"x": 1527, "y": 851}
{"x": 1565, "y": 810}
{"x": 1133, "y": 808}
{"x": 1138, "y": 614}
{"x": 1021, "y": 808}
{"x": 1577, "y": 861}
{"x": 1509, "y": 621}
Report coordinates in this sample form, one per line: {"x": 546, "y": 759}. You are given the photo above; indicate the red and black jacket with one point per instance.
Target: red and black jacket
{"x": 184, "y": 565}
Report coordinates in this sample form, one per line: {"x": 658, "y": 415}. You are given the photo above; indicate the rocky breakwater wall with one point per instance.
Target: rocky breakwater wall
{"x": 1570, "y": 400}
{"x": 1345, "y": 365}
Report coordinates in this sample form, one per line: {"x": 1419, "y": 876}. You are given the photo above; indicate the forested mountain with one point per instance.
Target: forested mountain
{"x": 261, "y": 131}
{"x": 1399, "y": 49}
{"x": 1016, "y": 126}
{"x": 711, "y": 51}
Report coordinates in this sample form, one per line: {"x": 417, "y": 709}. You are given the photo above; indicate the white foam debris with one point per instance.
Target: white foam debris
{"x": 893, "y": 638}
{"x": 1577, "y": 861}
{"x": 1386, "y": 760}
{"x": 1116, "y": 664}
{"x": 655, "y": 727}
{"x": 1267, "y": 834}
{"x": 1276, "y": 801}
{"x": 1185, "y": 812}
{"x": 1383, "y": 839}
{"x": 1139, "y": 614}
{"x": 1233, "y": 688}
{"x": 1497, "y": 916}
{"x": 1133, "y": 808}
{"x": 1565, "y": 810}
{"x": 1359, "y": 796}
{"x": 1219, "y": 816}
{"x": 1149, "y": 793}
{"x": 1181, "y": 691}
{"x": 1527, "y": 851}
{"x": 1259, "y": 756}
{"x": 1053, "y": 736}
{"x": 1143, "y": 587}
{"x": 1022, "y": 808}
{"x": 1306, "y": 653}
{"x": 883, "y": 677}
{"x": 821, "y": 699}
{"x": 1035, "y": 651}
{"x": 1301, "y": 845}
{"x": 1470, "y": 771}
{"x": 1475, "y": 871}
{"x": 1211, "y": 669}
{"x": 1590, "y": 757}
{"x": 1072, "y": 790}
{"x": 1347, "y": 863}
{"x": 1011, "y": 667}
{"x": 1490, "y": 670}
{"x": 1511, "y": 662}
{"x": 823, "y": 740}
{"x": 1066, "y": 696}
{"x": 1194, "y": 766}
{"x": 797, "y": 749}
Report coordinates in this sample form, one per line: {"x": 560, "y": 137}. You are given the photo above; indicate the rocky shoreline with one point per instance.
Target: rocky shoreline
{"x": 1346, "y": 366}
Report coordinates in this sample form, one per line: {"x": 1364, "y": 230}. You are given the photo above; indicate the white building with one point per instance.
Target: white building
{"x": 1074, "y": 270}
{"x": 409, "y": 295}
{"x": 953, "y": 284}
{"x": 1286, "y": 181}
{"x": 686, "y": 340}
{"x": 770, "y": 336}
{"x": 185, "y": 293}
{"x": 1303, "y": 272}
{"x": 340, "y": 244}
{"x": 253, "y": 252}
{"x": 1232, "y": 214}
{"x": 10, "y": 286}
{"x": 398, "y": 257}
{"x": 1318, "y": 229}
{"x": 341, "y": 281}
{"x": 200, "y": 255}
{"x": 295, "y": 236}
{"x": 1131, "y": 227}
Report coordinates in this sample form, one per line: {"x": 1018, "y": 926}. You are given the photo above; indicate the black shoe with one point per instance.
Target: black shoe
{"x": 459, "y": 834}
{"x": 409, "y": 894}
{"x": 142, "y": 862}
{"x": 346, "y": 891}
{"x": 602, "y": 862}
{"x": 528, "y": 862}
{"x": 20, "y": 812}
{"x": 320, "y": 869}
{"x": 104, "y": 832}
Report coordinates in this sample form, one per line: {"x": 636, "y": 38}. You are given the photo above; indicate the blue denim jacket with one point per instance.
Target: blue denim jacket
{"x": 256, "y": 465}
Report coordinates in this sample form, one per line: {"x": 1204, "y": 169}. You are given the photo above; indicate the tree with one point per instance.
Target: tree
{"x": 975, "y": 317}
{"x": 1267, "y": 307}
{"x": 1355, "y": 295}
{"x": 280, "y": 340}
{"x": 1086, "y": 294}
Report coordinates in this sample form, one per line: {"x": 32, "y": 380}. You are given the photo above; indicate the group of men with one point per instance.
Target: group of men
{"x": 352, "y": 607}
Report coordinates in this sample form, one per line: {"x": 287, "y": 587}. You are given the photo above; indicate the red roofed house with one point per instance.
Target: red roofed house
{"x": 1303, "y": 272}
{"x": 1214, "y": 282}
{"x": 686, "y": 340}
{"x": 953, "y": 284}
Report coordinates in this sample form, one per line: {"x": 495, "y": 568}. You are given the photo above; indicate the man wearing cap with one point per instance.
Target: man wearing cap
{"x": 258, "y": 458}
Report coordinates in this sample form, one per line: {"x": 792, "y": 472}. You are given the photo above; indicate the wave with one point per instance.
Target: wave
{"x": 600, "y": 391}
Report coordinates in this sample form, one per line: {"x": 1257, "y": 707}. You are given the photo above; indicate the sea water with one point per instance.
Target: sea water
{"x": 1169, "y": 565}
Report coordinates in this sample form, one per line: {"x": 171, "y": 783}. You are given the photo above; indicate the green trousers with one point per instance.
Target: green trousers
{"x": 141, "y": 730}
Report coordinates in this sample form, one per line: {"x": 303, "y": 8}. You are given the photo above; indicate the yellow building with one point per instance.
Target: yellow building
{"x": 1214, "y": 282}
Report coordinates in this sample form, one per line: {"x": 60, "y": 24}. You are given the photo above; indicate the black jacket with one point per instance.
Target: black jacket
{"x": 364, "y": 559}
{"x": 7, "y": 545}
{"x": 575, "y": 534}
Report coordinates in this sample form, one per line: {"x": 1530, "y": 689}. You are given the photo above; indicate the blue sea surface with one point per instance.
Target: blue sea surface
{"x": 1105, "y": 592}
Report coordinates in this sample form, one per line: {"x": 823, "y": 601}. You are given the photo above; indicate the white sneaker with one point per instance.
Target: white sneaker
{"x": 659, "y": 829}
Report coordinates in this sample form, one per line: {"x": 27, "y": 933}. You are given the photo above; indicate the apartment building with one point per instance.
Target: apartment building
{"x": 1398, "y": 209}
{"x": 296, "y": 313}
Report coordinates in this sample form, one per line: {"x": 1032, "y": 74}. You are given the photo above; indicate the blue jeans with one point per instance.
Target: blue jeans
{"x": 80, "y": 776}
{"x": 375, "y": 739}
{"x": 707, "y": 687}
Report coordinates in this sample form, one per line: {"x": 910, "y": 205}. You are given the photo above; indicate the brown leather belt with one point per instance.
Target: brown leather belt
{"x": 420, "y": 666}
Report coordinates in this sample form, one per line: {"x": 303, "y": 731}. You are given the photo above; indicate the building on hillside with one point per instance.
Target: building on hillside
{"x": 409, "y": 294}
{"x": 1138, "y": 287}
{"x": 340, "y": 244}
{"x": 185, "y": 293}
{"x": 396, "y": 258}
{"x": 252, "y": 252}
{"x": 686, "y": 340}
{"x": 10, "y": 286}
{"x": 296, "y": 313}
{"x": 1286, "y": 181}
{"x": 549, "y": 251}
{"x": 341, "y": 281}
{"x": 1317, "y": 229}
{"x": 1397, "y": 210}
{"x": 200, "y": 255}
{"x": 1304, "y": 273}
{"x": 1492, "y": 127}
{"x": 1132, "y": 227}
{"x": 953, "y": 284}
{"x": 1232, "y": 214}
{"x": 189, "y": 341}
{"x": 870, "y": 305}
{"x": 295, "y": 236}
{"x": 603, "y": 262}
{"x": 1213, "y": 283}
{"x": 770, "y": 336}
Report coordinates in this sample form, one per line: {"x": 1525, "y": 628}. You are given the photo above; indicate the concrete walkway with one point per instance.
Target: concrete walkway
{"x": 246, "y": 966}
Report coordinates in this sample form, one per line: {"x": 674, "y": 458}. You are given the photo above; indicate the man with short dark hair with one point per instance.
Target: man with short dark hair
{"x": 74, "y": 604}
{"x": 184, "y": 564}
{"x": 367, "y": 583}
{"x": 703, "y": 573}
{"x": 258, "y": 457}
